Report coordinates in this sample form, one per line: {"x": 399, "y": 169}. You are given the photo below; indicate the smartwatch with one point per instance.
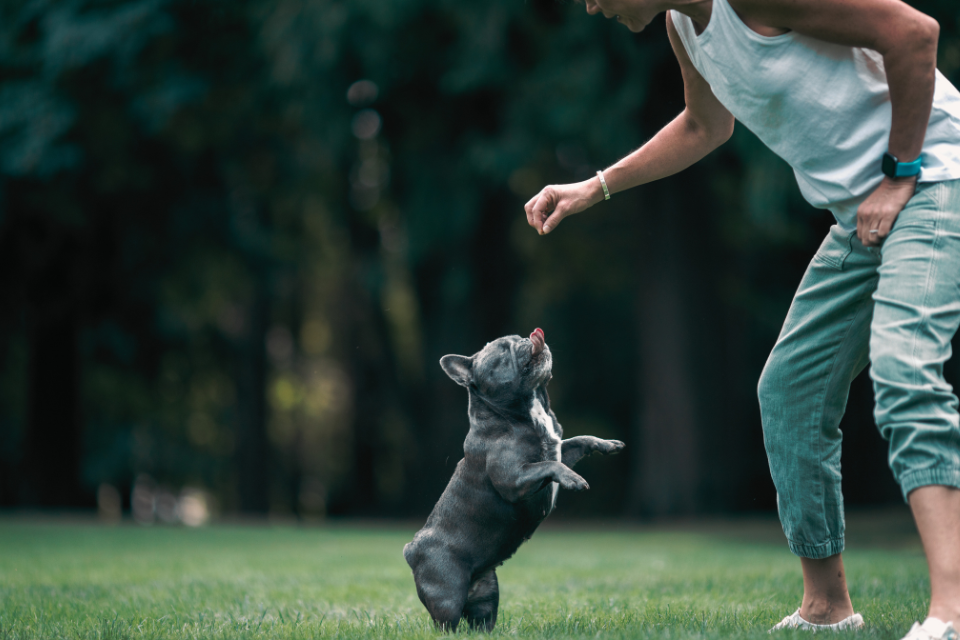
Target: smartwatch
{"x": 895, "y": 169}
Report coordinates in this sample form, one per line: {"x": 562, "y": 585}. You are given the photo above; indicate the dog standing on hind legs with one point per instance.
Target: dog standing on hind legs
{"x": 506, "y": 484}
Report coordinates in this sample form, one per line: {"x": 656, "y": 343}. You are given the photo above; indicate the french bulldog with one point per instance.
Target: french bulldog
{"x": 514, "y": 460}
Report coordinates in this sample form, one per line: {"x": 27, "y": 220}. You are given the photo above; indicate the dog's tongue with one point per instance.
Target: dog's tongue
{"x": 537, "y": 339}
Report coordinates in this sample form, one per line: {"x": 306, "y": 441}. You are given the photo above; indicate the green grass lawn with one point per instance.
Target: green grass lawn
{"x": 86, "y": 581}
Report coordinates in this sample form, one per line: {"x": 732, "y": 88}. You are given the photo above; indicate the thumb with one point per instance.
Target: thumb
{"x": 554, "y": 219}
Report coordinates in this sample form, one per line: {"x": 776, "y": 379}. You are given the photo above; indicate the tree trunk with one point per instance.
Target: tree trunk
{"x": 665, "y": 474}
{"x": 252, "y": 455}
{"x": 52, "y": 442}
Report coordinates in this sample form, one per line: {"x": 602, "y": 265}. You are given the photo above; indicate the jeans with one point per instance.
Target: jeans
{"x": 895, "y": 307}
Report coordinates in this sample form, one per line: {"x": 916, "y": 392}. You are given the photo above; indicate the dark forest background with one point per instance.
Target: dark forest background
{"x": 236, "y": 237}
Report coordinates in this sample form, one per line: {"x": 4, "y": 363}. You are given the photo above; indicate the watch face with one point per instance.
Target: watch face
{"x": 889, "y": 165}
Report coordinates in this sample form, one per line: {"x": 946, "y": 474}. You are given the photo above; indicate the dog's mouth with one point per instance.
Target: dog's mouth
{"x": 537, "y": 339}
{"x": 539, "y": 353}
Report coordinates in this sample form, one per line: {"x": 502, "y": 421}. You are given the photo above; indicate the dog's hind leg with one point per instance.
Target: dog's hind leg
{"x": 483, "y": 600}
{"x": 442, "y": 588}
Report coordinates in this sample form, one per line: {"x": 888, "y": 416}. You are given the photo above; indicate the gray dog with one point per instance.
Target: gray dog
{"x": 506, "y": 484}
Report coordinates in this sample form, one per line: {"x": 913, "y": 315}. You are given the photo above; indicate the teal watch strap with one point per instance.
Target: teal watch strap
{"x": 906, "y": 169}
{"x": 896, "y": 169}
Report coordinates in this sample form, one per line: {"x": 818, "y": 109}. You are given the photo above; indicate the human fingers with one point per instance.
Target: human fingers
{"x": 875, "y": 229}
{"x": 876, "y": 222}
{"x": 885, "y": 220}
{"x": 890, "y": 207}
{"x": 545, "y": 205}
{"x": 528, "y": 208}
{"x": 865, "y": 224}
{"x": 878, "y": 213}
{"x": 883, "y": 228}
{"x": 869, "y": 217}
{"x": 551, "y": 223}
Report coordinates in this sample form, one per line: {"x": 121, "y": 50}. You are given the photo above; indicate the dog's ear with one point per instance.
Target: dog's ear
{"x": 459, "y": 368}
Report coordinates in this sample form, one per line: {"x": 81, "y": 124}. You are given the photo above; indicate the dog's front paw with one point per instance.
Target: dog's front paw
{"x": 607, "y": 447}
{"x": 573, "y": 481}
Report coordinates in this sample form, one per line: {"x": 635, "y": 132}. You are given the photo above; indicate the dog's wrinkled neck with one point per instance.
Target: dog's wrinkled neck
{"x": 517, "y": 409}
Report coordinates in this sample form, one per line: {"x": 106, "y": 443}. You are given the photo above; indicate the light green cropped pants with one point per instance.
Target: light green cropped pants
{"x": 896, "y": 308}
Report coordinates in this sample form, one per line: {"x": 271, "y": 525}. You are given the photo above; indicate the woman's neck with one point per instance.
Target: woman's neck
{"x": 697, "y": 10}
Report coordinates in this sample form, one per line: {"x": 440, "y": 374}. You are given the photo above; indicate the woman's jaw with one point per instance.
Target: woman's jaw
{"x": 635, "y": 15}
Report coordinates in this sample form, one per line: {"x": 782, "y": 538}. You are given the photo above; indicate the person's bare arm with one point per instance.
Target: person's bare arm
{"x": 702, "y": 127}
{"x": 907, "y": 40}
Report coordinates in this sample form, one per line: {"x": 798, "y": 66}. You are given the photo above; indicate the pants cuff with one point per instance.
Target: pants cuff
{"x": 946, "y": 476}
{"x": 817, "y": 551}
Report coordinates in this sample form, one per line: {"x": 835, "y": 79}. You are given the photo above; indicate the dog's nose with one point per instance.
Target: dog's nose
{"x": 537, "y": 339}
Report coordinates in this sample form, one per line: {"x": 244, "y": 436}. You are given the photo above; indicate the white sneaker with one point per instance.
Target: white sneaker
{"x": 794, "y": 621}
{"x": 932, "y": 629}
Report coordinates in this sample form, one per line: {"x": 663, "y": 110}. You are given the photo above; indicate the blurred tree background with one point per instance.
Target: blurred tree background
{"x": 237, "y": 236}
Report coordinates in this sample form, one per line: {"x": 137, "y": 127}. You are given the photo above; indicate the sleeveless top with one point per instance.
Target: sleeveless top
{"x": 822, "y": 107}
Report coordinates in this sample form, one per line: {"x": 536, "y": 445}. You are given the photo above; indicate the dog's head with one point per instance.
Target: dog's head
{"x": 508, "y": 367}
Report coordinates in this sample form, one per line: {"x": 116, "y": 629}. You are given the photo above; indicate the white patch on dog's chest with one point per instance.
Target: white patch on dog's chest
{"x": 551, "y": 441}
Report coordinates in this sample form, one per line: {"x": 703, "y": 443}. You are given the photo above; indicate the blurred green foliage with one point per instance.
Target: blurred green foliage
{"x": 236, "y": 237}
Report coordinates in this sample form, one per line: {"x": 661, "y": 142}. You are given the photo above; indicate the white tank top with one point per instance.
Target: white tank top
{"x": 824, "y": 108}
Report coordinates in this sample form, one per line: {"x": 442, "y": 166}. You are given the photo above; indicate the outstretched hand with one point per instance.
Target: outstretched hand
{"x": 877, "y": 214}
{"x": 555, "y": 202}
